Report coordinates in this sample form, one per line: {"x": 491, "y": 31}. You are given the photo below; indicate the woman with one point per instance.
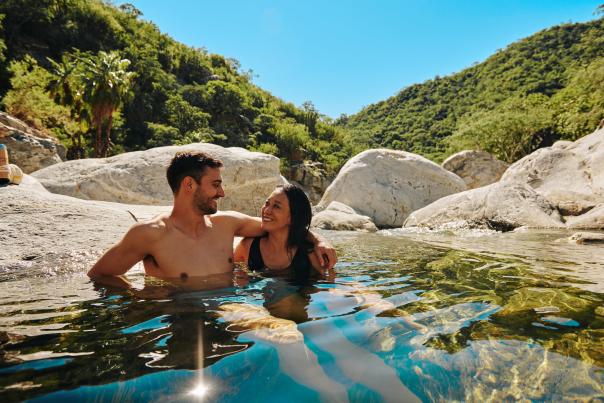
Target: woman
{"x": 286, "y": 216}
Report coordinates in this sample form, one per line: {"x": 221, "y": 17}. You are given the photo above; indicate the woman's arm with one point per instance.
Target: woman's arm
{"x": 242, "y": 250}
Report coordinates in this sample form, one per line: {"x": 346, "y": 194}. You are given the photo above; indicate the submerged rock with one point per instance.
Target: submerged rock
{"x": 500, "y": 206}
{"x": 387, "y": 185}
{"x": 587, "y": 238}
{"x": 340, "y": 217}
{"x": 140, "y": 177}
{"x": 476, "y": 168}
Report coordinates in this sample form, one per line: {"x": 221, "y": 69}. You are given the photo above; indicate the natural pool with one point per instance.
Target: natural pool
{"x": 409, "y": 316}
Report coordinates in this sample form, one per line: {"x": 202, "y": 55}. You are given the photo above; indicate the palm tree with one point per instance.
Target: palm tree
{"x": 106, "y": 87}
{"x": 61, "y": 89}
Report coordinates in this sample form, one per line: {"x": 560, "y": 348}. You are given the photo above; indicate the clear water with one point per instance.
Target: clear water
{"x": 429, "y": 317}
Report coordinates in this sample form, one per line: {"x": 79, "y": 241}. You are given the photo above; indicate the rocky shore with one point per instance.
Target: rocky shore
{"x": 79, "y": 208}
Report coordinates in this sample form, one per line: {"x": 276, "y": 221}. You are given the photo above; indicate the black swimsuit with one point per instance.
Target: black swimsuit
{"x": 300, "y": 262}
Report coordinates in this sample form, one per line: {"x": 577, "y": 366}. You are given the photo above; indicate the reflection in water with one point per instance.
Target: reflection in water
{"x": 401, "y": 319}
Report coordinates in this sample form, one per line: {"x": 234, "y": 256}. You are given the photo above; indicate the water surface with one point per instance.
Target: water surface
{"x": 408, "y": 316}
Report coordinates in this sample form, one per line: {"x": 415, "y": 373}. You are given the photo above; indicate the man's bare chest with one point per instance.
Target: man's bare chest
{"x": 177, "y": 255}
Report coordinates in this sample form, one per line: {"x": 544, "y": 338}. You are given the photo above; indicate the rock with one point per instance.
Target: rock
{"x": 311, "y": 177}
{"x": 140, "y": 177}
{"x": 570, "y": 176}
{"x": 593, "y": 219}
{"x": 582, "y": 238}
{"x": 27, "y": 147}
{"x": 499, "y": 206}
{"x": 561, "y": 144}
{"x": 387, "y": 185}
{"x": 476, "y": 168}
{"x": 45, "y": 229}
{"x": 31, "y": 183}
{"x": 16, "y": 124}
{"x": 340, "y": 217}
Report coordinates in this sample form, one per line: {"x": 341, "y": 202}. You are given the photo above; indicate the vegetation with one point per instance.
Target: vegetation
{"x": 100, "y": 79}
{"x": 104, "y": 81}
{"x": 534, "y": 92}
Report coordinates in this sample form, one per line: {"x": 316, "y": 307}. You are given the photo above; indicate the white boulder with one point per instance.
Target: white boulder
{"x": 593, "y": 219}
{"x": 340, "y": 217}
{"x": 140, "y": 177}
{"x": 54, "y": 231}
{"x": 476, "y": 168}
{"x": 499, "y": 206}
{"x": 570, "y": 176}
{"x": 387, "y": 185}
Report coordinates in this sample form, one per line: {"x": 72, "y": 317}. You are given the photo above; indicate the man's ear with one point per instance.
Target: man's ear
{"x": 187, "y": 183}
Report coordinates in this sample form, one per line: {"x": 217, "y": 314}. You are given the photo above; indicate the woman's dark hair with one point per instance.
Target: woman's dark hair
{"x": 301, "y": 213}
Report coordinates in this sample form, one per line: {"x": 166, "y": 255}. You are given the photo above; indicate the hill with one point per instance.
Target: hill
{"x": 546, "y": 87}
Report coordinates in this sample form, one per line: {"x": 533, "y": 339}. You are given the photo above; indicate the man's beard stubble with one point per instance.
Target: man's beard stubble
{"x": 203, "y": 204}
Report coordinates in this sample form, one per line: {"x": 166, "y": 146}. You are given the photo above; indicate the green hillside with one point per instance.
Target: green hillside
{"x": 546, "y": 87}
{"x": 176, "y": 94}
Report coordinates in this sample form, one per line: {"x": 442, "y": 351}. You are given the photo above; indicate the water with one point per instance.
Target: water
{"x": 409, "y": 316}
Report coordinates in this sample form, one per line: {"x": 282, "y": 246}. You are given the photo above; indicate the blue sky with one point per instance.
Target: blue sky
{"x": 344, "y": 55}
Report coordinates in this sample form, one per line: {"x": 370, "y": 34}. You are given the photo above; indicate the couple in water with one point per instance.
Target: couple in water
{"x": 197, "y": 240}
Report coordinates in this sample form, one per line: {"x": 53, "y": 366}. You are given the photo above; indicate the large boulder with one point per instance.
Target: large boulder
{"x": 311, "y": 177}
{"x": 28, "y": 148}
{"x": 476, "y": 168}
{"x": 54, "y": 232}
{"x": 569, "y": 175}
{"x": 340, "y": 217}
{"x": 499, "y": 206}
{"x": 556, "y": 186}
{"x": 387, "y": 185}
{"x": 140, "y": 177}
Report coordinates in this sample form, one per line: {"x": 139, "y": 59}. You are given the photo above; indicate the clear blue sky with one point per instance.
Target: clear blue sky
{"x": 345, "y": 54}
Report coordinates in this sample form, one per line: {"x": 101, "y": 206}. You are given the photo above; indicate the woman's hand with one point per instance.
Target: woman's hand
{"x": 325, "y": 254}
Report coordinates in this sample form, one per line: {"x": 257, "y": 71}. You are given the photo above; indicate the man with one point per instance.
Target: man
{"x": 194, "y": 240}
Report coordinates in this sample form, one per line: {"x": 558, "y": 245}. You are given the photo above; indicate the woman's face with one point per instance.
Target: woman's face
{"x": 275, "y": 212}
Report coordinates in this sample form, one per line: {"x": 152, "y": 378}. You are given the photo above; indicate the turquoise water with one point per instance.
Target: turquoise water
{"x": 408, "y": 317}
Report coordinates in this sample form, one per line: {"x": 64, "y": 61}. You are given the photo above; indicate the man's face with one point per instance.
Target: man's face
{"x": 209, "y": 190}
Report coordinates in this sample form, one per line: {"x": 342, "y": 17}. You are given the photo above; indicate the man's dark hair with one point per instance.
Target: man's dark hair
{"x": 189, "y": 163}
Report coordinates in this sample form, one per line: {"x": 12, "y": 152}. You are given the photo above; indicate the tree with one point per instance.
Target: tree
{"x": 106, "y": 87}
{"x": 514, "y": 129}
{"x": 64, "y": 88}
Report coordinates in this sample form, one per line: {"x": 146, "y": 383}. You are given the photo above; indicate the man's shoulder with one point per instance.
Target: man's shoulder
{"x": 228, "y": 216}
{"x": 150, "y": 229}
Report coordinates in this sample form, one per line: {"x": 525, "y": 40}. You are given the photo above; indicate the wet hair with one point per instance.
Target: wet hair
{"x": 301, "y": 214}
{"x": 189, "y": 163}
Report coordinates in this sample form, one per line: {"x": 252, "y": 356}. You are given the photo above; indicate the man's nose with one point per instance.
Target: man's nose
{"x": 221, "y": 192}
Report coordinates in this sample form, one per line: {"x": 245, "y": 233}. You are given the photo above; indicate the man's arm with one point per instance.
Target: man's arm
{"x": 125, "y": 254}
{"x": 247, "y": 226}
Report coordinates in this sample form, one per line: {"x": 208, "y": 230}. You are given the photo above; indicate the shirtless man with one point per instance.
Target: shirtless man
{"x": 195, "y": 239}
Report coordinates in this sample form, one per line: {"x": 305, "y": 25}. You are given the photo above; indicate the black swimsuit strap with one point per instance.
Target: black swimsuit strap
{"x": 254, "y": 260}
